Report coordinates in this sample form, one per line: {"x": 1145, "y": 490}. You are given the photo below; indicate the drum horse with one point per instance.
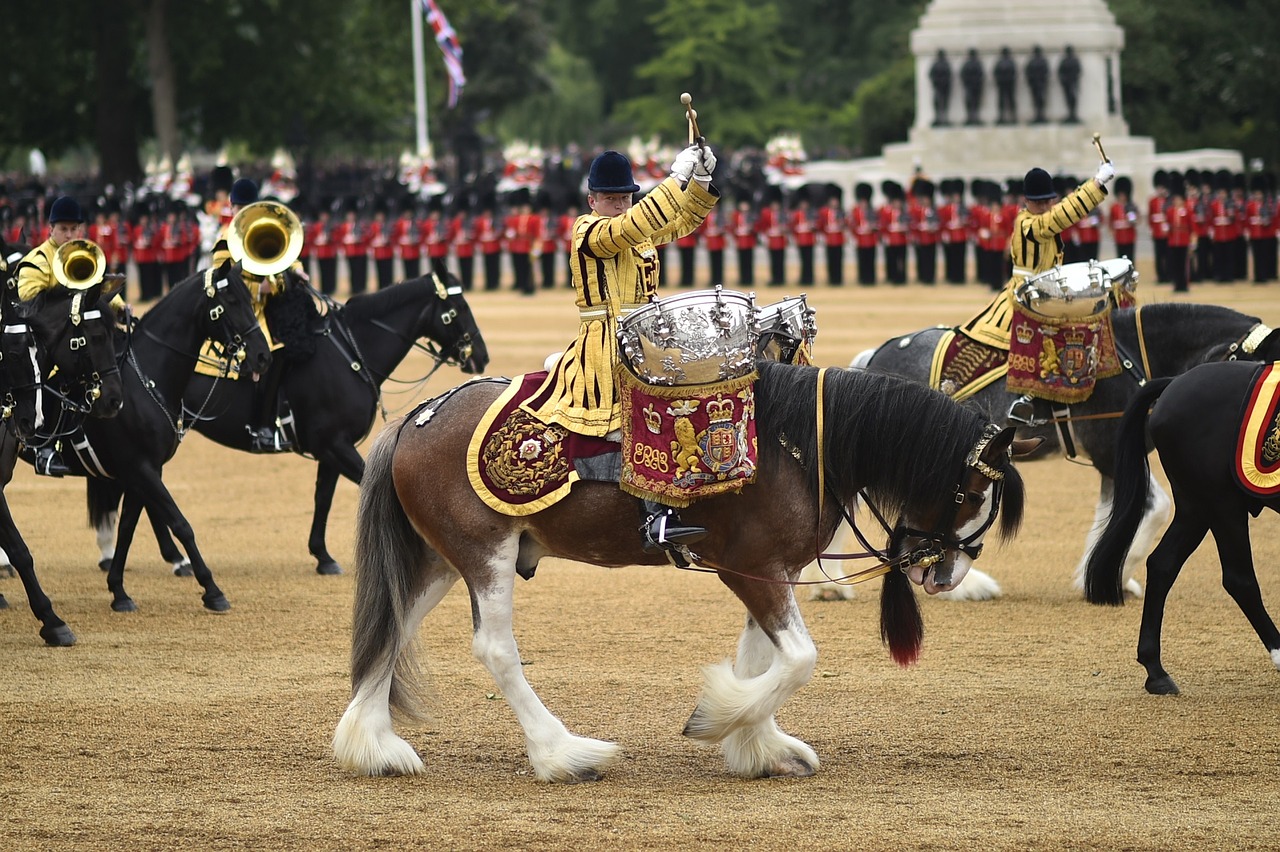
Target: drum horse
{"x": 1153, "y": 341}
{"x": 824, "y": 437}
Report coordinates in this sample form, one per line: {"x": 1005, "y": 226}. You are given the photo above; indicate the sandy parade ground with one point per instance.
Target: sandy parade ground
{"x": 1025, "y": 725}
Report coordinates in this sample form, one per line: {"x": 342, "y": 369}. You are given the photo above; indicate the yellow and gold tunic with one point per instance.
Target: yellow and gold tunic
{"x": 35, "y": 274}
{"x": 1036, "y": 247}
{"x": 614, "y": 268}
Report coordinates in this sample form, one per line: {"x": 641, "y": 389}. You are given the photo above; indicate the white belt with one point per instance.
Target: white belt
{"x": 597, "y": 313}
{"x": 1025, "y": 273}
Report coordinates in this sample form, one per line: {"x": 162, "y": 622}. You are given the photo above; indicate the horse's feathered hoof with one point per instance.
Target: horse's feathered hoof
{"x": 329, "y": 569}
{"x": 184, "y": 569}
{"x": 1162, "y": 686}
{"x": 217, "y": 603}
{"x": 790, "y": 767}
{"x": 584, "y": 776}
{"x": 58, "y": 637}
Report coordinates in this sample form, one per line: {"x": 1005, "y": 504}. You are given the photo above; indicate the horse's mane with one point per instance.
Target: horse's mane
{"x": 903, "y": 442}
{"x": 393, "y": 298}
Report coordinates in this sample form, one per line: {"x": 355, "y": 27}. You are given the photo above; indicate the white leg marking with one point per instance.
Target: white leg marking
{"x": 556, "y": 754}
{"x": 1159, "y": 510}
{"x": 1275, "y": 658}
{"x": 738, "y": 711}
{"x": 106, "y": 535}
{"x": 977, "y": 585}
{"x": 365, "y": 741}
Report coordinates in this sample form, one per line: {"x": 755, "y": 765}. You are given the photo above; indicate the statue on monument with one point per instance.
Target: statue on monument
{"x": 1037, "y": 71}
{"x": 940, "y": 77}
{"x": 1006, "y": 74}
{"x": 1069, "y": 77}
{"x": 972, "y": 77}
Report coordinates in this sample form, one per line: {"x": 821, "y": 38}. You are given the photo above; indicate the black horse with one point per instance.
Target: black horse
{"x": 158, "y": 359}
{"x": 1195, "y": 430}
{"x": 57, "y": 367}
{"x": 334, "y": 391}
{"x": 1165, "y": 339}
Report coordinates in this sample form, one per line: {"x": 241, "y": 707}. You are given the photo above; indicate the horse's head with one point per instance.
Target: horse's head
{"x": 227, "y": 317}
{"x": 453, "y": 327}
{"x": 943, "y": 543}
{"x": 67, "y": 344}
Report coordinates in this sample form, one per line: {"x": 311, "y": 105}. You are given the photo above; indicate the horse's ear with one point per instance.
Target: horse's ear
{"x": 1023, "y": 447}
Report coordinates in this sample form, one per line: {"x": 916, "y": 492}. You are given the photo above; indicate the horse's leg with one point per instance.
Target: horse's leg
{"x": 1180, "y": 541}
{"x": 1239, "y": 578}
{"x": 53, "y": 630}
{"x": 555, "y": 754}
{"x": 128, "y": 523}
{"x": 341, "y": 460}
{"x": 776, "y": 657}
{"x": 365, "y": 740}
{"x": 161, "y": 507}
{"x": 169, "y": 551}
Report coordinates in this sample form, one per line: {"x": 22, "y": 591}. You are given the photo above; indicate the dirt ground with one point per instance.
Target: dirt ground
{"x": 1024, "y": 726}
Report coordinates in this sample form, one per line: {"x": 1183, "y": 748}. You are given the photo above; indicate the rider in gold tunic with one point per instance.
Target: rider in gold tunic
{"x": 614, "y": 269}
{"x": 1036, "y": 245}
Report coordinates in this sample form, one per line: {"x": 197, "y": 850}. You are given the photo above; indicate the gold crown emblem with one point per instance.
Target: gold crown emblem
{"x": 1024, "y": 333}
{"x": 652, "y": 419}
{"x": 720, "y": 409}
{"x": 1074, "y": 336}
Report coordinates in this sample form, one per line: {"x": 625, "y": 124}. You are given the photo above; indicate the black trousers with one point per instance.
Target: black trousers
{"x": 1202, "y": 270}
{"x": 806, "y": 264}
{"x": 1177, "y": 260}
{"x": 835, "y": 265}
{"x": 359, "y": 269}
{"x": 150, "y": 280}
{"x": 1224, "y": 262}
{"x": 412, "y": 267}
{"x": 492, "y": 270}
{"x": 328, "y": 275}
{"x": 895, "y": 264}
{"x": 1264, "y": 259}
{"x": 716, "y": 259}
{"x": 746, "y": 267}
{"x": 175, "y": 273}
{"x": 466, "y": 271}
{"x": 927, "y": 263}
{"x": 1240, "y": 257}
{"x": 548, "y": 263}
{"x": 867, "y": 265}
{"x": 386, "y": 272}
{"x": 953, "y": 261}
{"x": 1162, "y": 258}
{"x": 522, "y": 266}
{"x": 687, "y": 260}
{"x": 777, "y": 267}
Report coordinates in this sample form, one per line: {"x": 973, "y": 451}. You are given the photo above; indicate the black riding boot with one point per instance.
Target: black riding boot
{"x": 265, "y": 433}
{"x": 664, "y": 531}
{"x": 49, "y": 463}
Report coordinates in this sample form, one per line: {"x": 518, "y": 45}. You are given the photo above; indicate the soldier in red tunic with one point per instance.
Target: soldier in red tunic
{"x": 772, "y": 225}
{"x": 743, "y": 226}
{"x": 324, "y": 248}
{"x": 354, "y": 239}
{"x": 1223, "y": 228}
{"x": 405, "y": 238}
{"x": 461, "y": 237}
{"x": 831, "y": 225}
{"x": 687, "y": 247}
{"x": 488, "y": 238}
{"x": 893, "y": 224}
{"x": 1158, "y": 223}
{"x": 715, "y": 240}
{"x": 1178, "y": 217}
{"x": 1122, "y": 217}
{"x": 1260, "y": 217}
{"x": 804, "y": 234}
{"x": 926, "y": 227}
{"x": 953, "y": 221}
{"x": 862, "y": 223}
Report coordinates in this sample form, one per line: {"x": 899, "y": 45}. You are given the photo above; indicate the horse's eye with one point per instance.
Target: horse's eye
{"x": 974, "y": 497}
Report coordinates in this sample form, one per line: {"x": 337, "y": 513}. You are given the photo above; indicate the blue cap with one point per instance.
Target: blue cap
{"x": 611, "y": 172}
{"x": 244, "y": 191}
{"x": 65, "y": 209}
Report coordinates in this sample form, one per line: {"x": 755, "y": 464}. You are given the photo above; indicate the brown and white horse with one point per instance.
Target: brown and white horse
{"x": 825, "y": 436}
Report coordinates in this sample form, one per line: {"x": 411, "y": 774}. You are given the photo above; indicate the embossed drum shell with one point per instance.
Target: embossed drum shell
{"x": 691, "y": 338}
{"x": 1070, "y": 291}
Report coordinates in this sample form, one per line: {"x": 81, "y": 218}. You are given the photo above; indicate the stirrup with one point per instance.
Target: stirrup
{"x": 1022, "y": 411}
{"x": 661, "y": 535}
{"x": 268, "y": 439}
{"x": 49, "y": 463}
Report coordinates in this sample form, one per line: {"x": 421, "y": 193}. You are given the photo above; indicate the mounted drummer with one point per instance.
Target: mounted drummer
{"x": 1036, "y": 244}
{"x": 615, "y": 270}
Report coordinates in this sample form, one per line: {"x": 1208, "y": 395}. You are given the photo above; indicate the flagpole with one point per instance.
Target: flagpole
{"x": 419, "y": 78}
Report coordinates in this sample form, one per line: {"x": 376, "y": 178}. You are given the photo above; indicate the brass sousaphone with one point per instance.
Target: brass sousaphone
{"x": 265, "y": 238}
{"x": 79, "y": 264}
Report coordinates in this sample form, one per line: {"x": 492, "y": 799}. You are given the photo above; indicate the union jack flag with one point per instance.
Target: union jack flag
{"x": 447, "y": 40}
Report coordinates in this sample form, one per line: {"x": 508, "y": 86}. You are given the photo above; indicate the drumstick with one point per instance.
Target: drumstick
{"x": 1097, "y": 143}
{"x": 692, "y": 115}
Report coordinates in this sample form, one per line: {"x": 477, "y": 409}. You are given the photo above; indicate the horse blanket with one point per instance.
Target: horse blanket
{"x": 1257, "y": 466}
{"x": 1060, "y": 360}
{"x": 962, "y": 366}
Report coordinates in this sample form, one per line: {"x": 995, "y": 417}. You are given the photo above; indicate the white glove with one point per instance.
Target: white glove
{"x": 1106, "y": 171}
{"x": 686, "y": 160}
{"x": 706, "y": 164}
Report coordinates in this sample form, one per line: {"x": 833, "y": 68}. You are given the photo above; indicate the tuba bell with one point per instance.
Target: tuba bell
{"x": 79, "y": 264}
{"x": 265, "y": 238}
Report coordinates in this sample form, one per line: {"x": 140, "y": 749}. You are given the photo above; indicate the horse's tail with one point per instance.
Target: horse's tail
{"x": 1102, "y": 581}
{"x": 388, "y": 552}
{"x": 102, "y": 496}
{"x": 901, "y": 626}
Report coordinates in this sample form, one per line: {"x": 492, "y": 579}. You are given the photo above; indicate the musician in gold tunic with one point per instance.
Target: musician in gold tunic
{"x": 614, "y": 269}
{"x": 1036, "y": 245}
